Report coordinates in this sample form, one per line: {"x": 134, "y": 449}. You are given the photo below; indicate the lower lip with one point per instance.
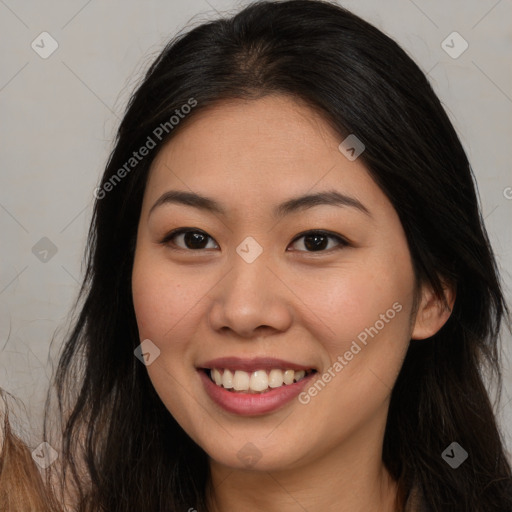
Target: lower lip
{"x": 252, "y": 404}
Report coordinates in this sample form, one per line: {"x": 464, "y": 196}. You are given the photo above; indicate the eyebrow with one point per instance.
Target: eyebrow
{"x": 293, "y": 205}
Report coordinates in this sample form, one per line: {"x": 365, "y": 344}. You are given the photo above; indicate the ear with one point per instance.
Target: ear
{"x": 432, "y": 313}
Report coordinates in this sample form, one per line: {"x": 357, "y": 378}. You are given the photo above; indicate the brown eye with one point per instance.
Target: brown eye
{"x": 185, "y": 238}
{"x": 194, "y": 239}
{"x": 318, "y": 241}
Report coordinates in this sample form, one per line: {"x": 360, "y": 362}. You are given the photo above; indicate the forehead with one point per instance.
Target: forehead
{"x": 257, "y": 151}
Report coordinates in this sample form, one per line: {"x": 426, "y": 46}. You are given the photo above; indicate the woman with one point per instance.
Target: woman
{"x": 290, "y": 297}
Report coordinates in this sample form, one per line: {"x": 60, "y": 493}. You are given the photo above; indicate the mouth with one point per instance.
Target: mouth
{"x": 262, "y": 387}
{"x": 253, "y": 386}
{"x": 256, "y": 382}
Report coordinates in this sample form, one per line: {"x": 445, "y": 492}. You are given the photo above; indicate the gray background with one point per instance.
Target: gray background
{"x": 59, "y": 116}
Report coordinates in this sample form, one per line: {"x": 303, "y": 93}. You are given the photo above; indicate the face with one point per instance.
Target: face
{"x": 323, "y": 284}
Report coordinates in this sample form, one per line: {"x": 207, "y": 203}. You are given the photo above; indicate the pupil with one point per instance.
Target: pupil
{"x": 195, "y": 240}
{"x": 319, "y": 242}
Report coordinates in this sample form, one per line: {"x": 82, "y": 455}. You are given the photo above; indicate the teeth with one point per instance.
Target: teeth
{"x": 255, "y": 382}
{"x": 299, "y": 375}
{"x": 275, "y": 378}
{"x": 259, "y": 381}
{"x": 288, "y": 376}
{"x": 227, "y": 379}
{"x": 217, "y": 377}
{"x": 241, "y": 381}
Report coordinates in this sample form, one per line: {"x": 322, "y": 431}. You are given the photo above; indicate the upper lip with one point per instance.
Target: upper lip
{"x": 253, "y": 364}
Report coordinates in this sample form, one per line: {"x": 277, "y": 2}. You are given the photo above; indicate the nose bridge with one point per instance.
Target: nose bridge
{"x": 249, "y": 269}
{"x": 249, "y": 296}
{"x": 248, "y": 283}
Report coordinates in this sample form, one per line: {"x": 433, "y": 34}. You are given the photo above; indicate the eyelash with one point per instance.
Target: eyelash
{"x": 341, "y": 241}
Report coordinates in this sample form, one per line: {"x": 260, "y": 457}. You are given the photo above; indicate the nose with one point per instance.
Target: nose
{"x": 250, "y": 301}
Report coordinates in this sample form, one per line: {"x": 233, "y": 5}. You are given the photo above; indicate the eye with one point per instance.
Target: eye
{"x": 193, "y": 239}
{"x": 318, "y": 241}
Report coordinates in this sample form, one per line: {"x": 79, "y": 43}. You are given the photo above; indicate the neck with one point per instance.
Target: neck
{"x": 351, "y": 478}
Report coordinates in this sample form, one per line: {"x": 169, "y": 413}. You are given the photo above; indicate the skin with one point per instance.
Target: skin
{"x": 292, "y": 302}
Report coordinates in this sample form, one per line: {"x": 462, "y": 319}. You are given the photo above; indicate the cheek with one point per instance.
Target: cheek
{"x": 351, "y": 300}
{"x": 163, "y": 298}
{"x": 368, "y": 316}
{"x": 164, "y": 306}
{"x": 374, "y": 309}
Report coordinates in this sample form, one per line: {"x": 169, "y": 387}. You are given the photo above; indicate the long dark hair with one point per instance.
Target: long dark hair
{"x": 116, "y": 429}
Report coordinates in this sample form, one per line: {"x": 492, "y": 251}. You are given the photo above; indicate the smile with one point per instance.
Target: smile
{"x": 259, "y": 381}
{"x": 249, "y": 402}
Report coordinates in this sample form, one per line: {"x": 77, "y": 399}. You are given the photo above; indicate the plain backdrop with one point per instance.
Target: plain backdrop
{"x": 59, "y": 116}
